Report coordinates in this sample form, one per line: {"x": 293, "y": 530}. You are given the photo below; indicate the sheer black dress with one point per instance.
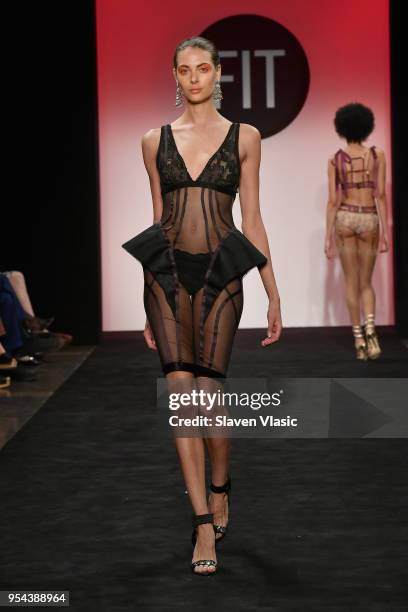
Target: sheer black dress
{"x": 194, "y": 260}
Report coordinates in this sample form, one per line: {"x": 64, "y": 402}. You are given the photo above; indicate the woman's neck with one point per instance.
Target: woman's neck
{"x": 355, "y": 147}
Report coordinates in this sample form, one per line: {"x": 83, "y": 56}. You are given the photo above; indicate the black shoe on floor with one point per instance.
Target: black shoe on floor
{"x": 28, "y": 360}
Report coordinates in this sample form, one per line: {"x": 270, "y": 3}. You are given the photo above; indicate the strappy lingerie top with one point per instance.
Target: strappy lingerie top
{"x": 368, "y": 174}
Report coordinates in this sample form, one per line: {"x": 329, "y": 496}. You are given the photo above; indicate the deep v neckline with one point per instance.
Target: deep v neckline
{"x": 209, "y": 160}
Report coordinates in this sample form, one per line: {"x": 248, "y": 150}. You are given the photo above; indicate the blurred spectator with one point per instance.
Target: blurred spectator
{"x": 23, "y": 335}
{"x": 30, "y": 321}
{"x": 12, "y": 315}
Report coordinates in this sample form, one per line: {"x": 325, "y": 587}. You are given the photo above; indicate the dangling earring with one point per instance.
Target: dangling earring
{"x": 217, "y": 93}
{"x": 179, "y": 95}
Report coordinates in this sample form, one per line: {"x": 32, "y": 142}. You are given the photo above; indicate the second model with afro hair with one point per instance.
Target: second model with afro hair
{"x": 354, "y": 122}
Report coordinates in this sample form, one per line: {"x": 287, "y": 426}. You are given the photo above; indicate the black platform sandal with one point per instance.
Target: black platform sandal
{"x": 200, "y": 519}
{"x": 225, "y": 488}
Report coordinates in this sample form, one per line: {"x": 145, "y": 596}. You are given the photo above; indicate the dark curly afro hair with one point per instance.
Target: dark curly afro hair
{"x": 354, "y": 122}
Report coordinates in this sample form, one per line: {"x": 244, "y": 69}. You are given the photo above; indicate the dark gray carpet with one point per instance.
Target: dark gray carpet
{"x": 92, "y": 502}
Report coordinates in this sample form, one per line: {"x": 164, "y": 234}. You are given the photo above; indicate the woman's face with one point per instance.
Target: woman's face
{"x": 196, "y": 74}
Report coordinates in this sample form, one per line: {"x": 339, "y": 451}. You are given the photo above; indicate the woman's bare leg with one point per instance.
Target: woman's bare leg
{"x": 191, "y": 454}
{"x": 219, "y": 451}
{"x": 368, "y": 245}
{"x": 367, "y": 253}
{"x": 346, "y": 241}
{"x": 17, "y": 280}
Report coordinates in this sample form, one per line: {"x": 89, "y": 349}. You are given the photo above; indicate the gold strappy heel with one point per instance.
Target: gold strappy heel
{"x": 373, "y": 345}
{"x": 361, "y": 348}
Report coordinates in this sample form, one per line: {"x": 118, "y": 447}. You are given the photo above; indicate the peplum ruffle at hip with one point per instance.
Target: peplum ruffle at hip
{"x": 153, "y": 249}
{"x": 234, "y": 256}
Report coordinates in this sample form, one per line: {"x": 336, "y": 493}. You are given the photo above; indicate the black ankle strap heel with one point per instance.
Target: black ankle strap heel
{"x": 225, "y": 488}
{"x": 201, "y": 519}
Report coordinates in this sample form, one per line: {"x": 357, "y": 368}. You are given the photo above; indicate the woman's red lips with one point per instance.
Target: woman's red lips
{"x": 195, "y": 90}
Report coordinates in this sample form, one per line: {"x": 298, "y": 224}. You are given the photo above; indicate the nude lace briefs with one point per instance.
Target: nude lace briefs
{"x": 348, "y": 217}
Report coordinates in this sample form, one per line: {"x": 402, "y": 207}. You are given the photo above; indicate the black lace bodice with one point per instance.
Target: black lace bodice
{"x": 221, "y": 172}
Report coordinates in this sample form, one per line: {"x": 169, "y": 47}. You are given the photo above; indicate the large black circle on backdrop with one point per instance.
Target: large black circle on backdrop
{"x": 265, "y": 74}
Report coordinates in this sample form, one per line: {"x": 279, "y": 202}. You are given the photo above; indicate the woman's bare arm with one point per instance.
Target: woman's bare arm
{"x": 150, "y": 145}
{"x": 252, "y": 224}
{"x": 331, "y": 207}
{"x": 382, "y": 199}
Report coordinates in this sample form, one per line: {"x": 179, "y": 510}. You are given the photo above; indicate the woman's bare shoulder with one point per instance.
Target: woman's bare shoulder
{"x": 151, "y": 138}
{"x": 380, "y": 152}
{"x": 249, "y": 132}
{"x": 249, "y": 139}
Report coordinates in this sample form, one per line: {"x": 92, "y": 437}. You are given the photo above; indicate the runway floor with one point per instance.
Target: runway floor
{"x": 92, "y": 502}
